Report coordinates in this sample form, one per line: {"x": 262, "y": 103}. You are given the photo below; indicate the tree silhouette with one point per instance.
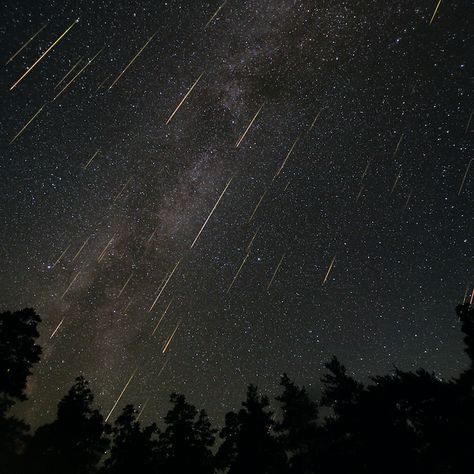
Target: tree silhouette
{"x": 184, "y": 445}
{"x": 18, "y": 353}
{"x": 248, "y": 445}
{"x": 73, "y": 443}
{"x": 133, "y": 449}
{"x": 298, "y": 428}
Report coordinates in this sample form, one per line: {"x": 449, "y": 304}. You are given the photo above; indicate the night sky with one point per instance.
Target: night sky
{"x": 321, "y": 159}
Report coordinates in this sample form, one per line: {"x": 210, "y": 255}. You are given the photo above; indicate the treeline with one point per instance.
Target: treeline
{"x": 405, "y": 422}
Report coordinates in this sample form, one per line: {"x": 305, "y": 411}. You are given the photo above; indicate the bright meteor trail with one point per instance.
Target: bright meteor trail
{"x": 27, "y": 43}
{"x": 132, "y": 61}
{"x": 43, "y": 55}
{"x": 239, "y": 141}
{"x": 210, "y": 214}
{"x": 184, "y": 98}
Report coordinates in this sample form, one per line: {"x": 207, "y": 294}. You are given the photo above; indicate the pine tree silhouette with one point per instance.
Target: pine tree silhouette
{"x": 248, "y": 445}
{"x": 298, "y": 428}
{"x": 133, "y": 449}
{"x": 75, "y": 442}
{"x": 18, "y": 353}
{"x": 184, "y": 445}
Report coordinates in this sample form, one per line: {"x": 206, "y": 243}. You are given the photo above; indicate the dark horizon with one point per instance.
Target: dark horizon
{"x": 200, "y": 195}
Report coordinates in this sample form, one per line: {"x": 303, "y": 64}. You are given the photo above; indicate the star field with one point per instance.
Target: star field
{"x": 342, "y": 130}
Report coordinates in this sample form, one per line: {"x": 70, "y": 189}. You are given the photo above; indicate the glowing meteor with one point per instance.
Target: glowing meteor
{"x": 183, "y": 99}
{"x": 61, "y": 256}
{"x": 210, "y": 214}
{"x": 314, "y": 121}
{"x": 408, "y": 199}
{"x": 435, "y": 11}
{"x": 398, "y": 145}
{"x": 162, "y": 316}
{"x": 364, "y": 174}
{"x": 396, "y": 182}
{"x": 123, "y": 189}
{"x": 287, "y": 156}
{"x": 163, "y": 367}
{"x": 168, "y": 342}
{"x": 164, "y": 285}
{"x": 70, "y": 284}
{"x": 468, "y": 123}
{"x": 68, "y": 73}
{"x": 142, "y": 409}
{"x": 251, "y": 241}
{"x": 215, "y": 14}
{"x": 257, "y": 206}
{"x": 27, "y": 124}
{"x": 56, "y": 330}
{"x": 88, "y": 63}
{"x": 132, "y": 61}
{"x": 239, "y": 141}
{"x": 121, "y": 394}
{"x": 275, "y": 272}
{"x": 43, "y": 55}
{"x": 103, "y": 253}
{"x": 329, "y": 270}
{"x": 152, "y": 235}
{"x": 237, "y": 273}
{"x": 125, "y": 285}
{"x": 360, "y": 193}
{"x": 26, "y": 44}
{"x": 91, "y": 159}
{"x": 464, "y": 177}
{"x": 80, "y": 250}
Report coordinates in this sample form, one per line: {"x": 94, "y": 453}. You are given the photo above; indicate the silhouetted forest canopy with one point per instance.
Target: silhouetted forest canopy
{"x": 404, "y": 422}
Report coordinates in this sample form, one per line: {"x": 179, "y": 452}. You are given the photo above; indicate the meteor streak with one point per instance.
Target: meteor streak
{"x": 27, "y": 43}
{"x": 27, "y": 124}
{"x": 251, "y": 241}
{"x": 123, "y": 189}
{"x": 61, "y": 256}
{"x": 102, "y": 255}
{"x": 152, "y": 235}
{"x": 168, "y": 342}
{"x": 142, "y": 409}
{"x": 77, "y": 75}
{"x": 121, "y": 394}
{"x": 125, "y": 285}
{"x": 464, "y": 177}
{"x": 68, "y": 73}
{"x": 162, "y": 316}
{"x": 398, "y": 145}
{"x": 90, "y": 161}
{"x": 183, "y": 99}
{"x": 239, "y": 141}
{"x": 164, "y": 286}
{"x": 287, "y": 156}
{"x": 215, "y": 14}
{"x": 435, "y": 11}
{"x": 275, "y": 272}
{"x": 314, "y": 121}
{"x": 210, "y": 214}
{"x": 70, "y": 284}
{"x": 237, "y": 274}
{"x": 257, "y": 206}
{"x": 56, "y": 330}
{"x": 329, "y": 270}
{"x": 43, "y": 55}
{"x": 80, "y": 250}
{"x": 396, "y": 181}
{"x": 468, "y": 122}
{"x": 132, "y": 61}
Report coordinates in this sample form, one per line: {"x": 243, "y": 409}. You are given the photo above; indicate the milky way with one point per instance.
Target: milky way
{"x": 322, "y": 150}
